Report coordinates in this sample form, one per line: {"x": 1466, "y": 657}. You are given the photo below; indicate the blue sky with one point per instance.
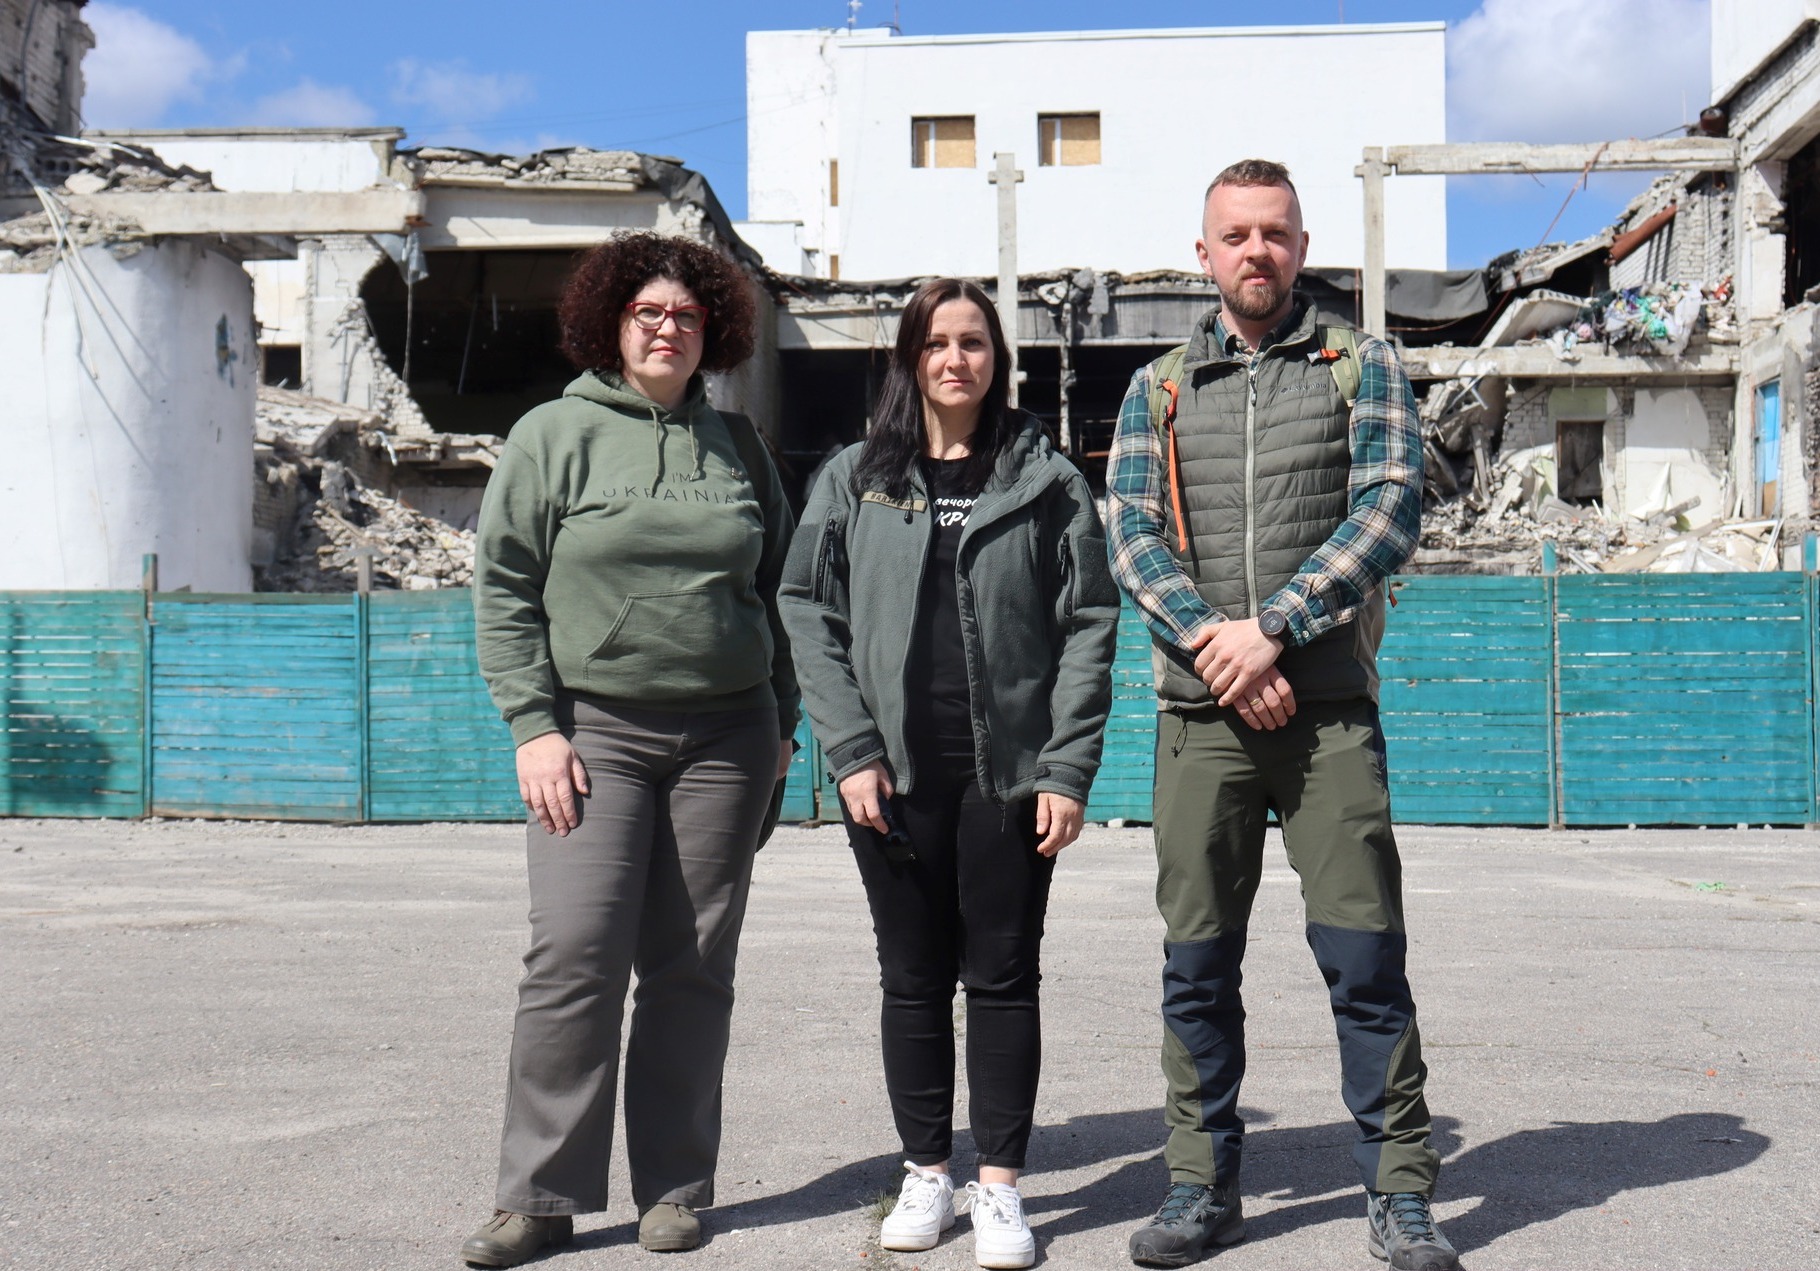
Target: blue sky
{"x": 669, "y": 78}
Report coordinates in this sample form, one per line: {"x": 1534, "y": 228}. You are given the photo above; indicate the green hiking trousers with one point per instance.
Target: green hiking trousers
{"x": 1217, "y": 779}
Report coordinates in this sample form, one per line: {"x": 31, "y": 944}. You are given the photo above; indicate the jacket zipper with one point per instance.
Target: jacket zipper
{"x": 1067, "y": 578}
{"x": 824, "y": 560}
{"x": 1251, "y": 476}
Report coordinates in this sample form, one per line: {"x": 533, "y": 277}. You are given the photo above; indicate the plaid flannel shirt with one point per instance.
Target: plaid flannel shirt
{"x": 1380, "y": 531}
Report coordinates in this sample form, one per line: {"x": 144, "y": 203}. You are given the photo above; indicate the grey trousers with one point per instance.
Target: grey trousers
{"x": 652, "y": 881}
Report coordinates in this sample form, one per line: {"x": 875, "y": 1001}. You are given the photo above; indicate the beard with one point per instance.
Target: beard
{"x": 1256, "y": 303}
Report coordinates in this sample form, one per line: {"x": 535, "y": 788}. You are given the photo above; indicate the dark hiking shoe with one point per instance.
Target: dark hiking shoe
{"x": 1194, "y": 1221}
{"x": 667, "y": 1228}
{"x": 1403, "y": 1233}
{"x": 506, "y": 1240}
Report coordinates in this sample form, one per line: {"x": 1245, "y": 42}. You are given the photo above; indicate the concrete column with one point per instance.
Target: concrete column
{"x": 337, "y": 362}
{"x": 1006, "y": 176}
{"x": 1372, "y": 172}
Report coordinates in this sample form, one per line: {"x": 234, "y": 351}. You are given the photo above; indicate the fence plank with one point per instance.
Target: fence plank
{"x": 255, "y": 707}
{"x": 1464, "y": 676}
{"x": 419, "y": 722}
{"x": 72, "y": 689}
{"x": 1684, "y": 699}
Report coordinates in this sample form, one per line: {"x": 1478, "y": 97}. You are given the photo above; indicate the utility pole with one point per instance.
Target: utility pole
{"x": 1373, "y": 170}
{"x": 1006, "y": 176}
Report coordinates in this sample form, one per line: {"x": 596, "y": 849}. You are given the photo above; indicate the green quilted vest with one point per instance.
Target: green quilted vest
{"x": 1264, "y": 455}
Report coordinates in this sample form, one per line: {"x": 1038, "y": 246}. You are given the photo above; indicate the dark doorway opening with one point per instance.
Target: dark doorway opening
{"x": 482, "y": 334}
{"x": 1579, "y": 454}
{"x": 1801, "y": 204}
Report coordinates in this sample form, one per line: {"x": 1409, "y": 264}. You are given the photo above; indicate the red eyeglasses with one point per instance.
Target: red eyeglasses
{"x": 650, "y": 317}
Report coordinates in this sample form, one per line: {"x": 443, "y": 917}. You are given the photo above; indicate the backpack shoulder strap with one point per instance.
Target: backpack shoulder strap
{"x": 1340, "y": 350}
{"x": 753, "y": 453}
{"x": 1165, "y": 385}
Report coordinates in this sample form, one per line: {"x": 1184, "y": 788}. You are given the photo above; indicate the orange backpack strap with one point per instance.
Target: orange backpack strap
{"x": 1165, "y": 398}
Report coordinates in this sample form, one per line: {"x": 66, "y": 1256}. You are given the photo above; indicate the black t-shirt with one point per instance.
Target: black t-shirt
{"x": 938, "y": 698}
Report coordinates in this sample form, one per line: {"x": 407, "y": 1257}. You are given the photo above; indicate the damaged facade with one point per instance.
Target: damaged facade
{"x": 406, "y": 299}
{"x": 1644, "y": 398}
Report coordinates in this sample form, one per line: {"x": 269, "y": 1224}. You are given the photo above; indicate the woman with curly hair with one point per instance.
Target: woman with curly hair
{"x": 625, "y": 581}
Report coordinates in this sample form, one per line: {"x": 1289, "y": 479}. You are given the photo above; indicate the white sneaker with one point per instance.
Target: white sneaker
{"x": 1001, "y": 1237}
{"x": 925, "y": 1209}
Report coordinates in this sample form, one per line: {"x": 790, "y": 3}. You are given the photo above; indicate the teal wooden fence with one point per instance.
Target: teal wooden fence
{"x": 1578, "y": 700}
{"x": 72, "y": 685}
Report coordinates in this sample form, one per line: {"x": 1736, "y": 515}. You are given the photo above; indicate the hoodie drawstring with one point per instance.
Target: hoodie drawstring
{"x": 658, "y": 429}
{"x": 657, "y": 435}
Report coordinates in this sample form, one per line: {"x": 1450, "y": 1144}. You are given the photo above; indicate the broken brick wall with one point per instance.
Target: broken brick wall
{"x": 41, "y": 48}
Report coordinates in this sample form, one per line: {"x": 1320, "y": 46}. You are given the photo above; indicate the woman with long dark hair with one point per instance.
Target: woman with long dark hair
{"x": 953, "y": 620}
{"x": 625, "y": 582}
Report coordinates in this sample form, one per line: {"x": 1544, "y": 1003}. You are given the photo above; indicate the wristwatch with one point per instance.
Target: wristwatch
{"x": 1272, "y": 623}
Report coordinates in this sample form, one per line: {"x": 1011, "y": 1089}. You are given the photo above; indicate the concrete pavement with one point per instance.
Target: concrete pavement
{"x": 248, "y": 1046}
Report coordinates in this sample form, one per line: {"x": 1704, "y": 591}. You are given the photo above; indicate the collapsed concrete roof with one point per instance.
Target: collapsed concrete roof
{"x": 581, "y": 169}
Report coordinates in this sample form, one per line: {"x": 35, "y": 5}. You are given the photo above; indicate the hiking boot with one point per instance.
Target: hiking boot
{"x": 1001, "y": 1236}
{"x": 925, "y": 1209}
{"x": 1194, "y": 1221}
{"x": 668, "y": 1228}
{"x": 506, "y": 1240}
{"x": 1403, "y": 1233}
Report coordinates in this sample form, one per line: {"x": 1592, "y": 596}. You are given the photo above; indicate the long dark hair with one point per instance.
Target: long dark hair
{"x": 897, "y": 439}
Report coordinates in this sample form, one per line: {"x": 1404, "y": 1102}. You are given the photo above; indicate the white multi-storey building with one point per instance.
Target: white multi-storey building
{"x": 868, "y": 152}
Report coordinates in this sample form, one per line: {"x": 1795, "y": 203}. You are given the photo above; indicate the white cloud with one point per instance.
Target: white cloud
{"x": 139, "y": 68}
{"x": 451, "y": 93}
{"x": 1576, "y": 70}
{"x": 307, "y": 104}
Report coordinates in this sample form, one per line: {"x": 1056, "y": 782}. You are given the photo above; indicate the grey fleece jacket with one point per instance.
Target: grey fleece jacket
{"x": 1039, "y": 619}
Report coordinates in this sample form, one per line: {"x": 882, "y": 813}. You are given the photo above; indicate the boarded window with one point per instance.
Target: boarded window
{"x": 834, "y": 183}
{"x": 942, "y": 141}
{"x": 1067, "y": 140}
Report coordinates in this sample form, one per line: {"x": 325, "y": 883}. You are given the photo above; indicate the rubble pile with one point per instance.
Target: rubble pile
{"x": 1659, "y": 318}
{"x": 305, "y": 454}
{"x": 348, "y": 520}
{"x": 546, "y": 167}
{"x": 1468, "y": 535}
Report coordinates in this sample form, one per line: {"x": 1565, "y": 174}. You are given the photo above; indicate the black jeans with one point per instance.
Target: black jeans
{"x": 968, "y": 908}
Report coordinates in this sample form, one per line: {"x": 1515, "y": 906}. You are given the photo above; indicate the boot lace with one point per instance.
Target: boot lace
{"x": 1410, "y": 1214}
{"x": 1178, "y": 1203}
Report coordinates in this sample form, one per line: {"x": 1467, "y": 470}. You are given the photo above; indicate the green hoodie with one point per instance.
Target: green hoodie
{"x": 622, "y": 555}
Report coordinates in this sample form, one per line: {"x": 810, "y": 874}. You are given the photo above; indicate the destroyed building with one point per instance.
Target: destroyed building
{"x": 1643, "y": 398}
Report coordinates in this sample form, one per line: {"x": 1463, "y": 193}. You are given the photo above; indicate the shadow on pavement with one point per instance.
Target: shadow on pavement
{"x": 1532, "y": 1176}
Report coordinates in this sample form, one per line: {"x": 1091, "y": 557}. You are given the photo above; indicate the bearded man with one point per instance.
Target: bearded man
{"x": 1263, "y": 482}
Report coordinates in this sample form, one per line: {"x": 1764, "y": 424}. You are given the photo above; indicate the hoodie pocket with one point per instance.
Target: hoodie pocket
{"x": 680, "y": 644}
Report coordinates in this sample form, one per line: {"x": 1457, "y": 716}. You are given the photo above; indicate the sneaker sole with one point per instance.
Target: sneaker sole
{"x": 1010, "y": 1260}
{"x": 1220, "y": 1240}
{"x": 914, "y": 1244}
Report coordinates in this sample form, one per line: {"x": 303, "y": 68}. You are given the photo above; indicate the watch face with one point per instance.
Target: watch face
{"x": 1272, "y": 623}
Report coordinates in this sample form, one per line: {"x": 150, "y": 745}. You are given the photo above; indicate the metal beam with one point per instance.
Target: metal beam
{"x": 1698, "y": 154}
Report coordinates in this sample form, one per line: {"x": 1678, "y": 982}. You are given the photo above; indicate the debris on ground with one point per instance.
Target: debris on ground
{"x": 310, "y": 455}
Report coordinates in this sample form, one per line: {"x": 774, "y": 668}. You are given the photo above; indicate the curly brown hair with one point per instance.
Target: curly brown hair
{"x": 607, "y": 276}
